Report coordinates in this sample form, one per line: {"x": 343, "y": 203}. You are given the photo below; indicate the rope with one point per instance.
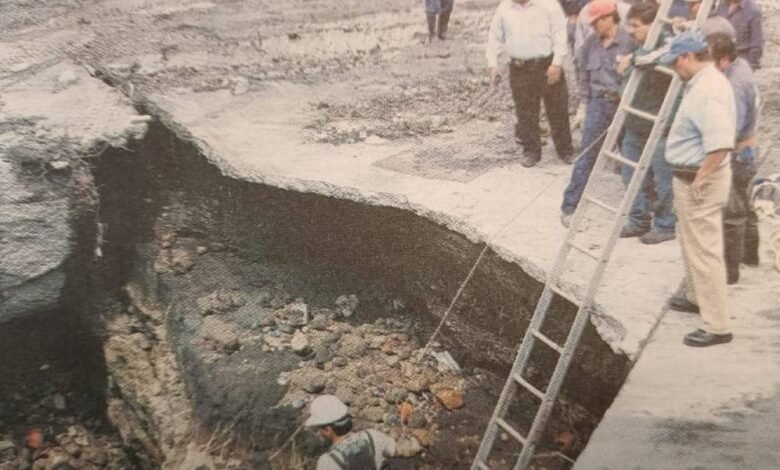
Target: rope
{"x": 490, "y": 239}
{"x": 286, "y": 443}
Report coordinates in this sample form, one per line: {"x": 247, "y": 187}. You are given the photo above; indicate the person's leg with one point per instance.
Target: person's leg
{"x": 556, "y": 104}
{"x": 525, "y": 83}
{"x": 639, "y": 216}
{"x": 735, "y": 217}
{"x": 660, "y": 182}
{"x": 432, "y": 8}
{"x": 444, "y": 18}
{"x": 750, "y": 241}
{"x": 701, "y": 222}
{"x": 664, "y": 220}
{"x": 597, "y": 119}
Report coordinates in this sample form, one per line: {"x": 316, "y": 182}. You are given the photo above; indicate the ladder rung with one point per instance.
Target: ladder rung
{"x": 563, "y": 294}
{"x": 583, "y": 250}
{"x": 512, "y": 432}
{"x": 519, "y": 379}
{"x": 664, "y": 69}
{"x": 664, "y": 19}
{"x": 642, "y": 114}
{"x": 544, "y": 339}
{"x": 620, "y": 158}
{"x": 603, "y": 205}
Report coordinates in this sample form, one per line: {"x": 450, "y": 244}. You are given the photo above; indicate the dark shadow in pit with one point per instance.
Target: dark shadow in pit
{"x": 48, "y": 355}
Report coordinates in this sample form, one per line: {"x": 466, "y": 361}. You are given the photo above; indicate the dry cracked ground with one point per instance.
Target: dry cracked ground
{"x": 376, "y": 81}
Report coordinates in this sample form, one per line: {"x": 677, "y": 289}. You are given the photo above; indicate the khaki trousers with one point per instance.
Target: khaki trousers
{"x": 700, "y": 233}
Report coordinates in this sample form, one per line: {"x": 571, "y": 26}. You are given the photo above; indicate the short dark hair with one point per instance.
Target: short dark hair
{"x": 342, "y": 426}
{"x": 721, "y": 45}
{"x": 703, "y": 55}
{"x": 644, "y": 12}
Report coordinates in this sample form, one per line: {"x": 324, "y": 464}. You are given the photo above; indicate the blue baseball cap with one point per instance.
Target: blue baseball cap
{"x": 689, "y": 41}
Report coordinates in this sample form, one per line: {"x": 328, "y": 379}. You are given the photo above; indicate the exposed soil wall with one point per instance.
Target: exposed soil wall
{"x": 177, "y": 230}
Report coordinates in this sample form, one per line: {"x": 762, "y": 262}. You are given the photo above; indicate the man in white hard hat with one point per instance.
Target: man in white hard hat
{"x": 365, "y": 450}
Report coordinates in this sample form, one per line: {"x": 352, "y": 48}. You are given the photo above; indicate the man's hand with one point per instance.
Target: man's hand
{"x": 679, "y": 24}
{"x": 623, "y": 63}
{"x": 650, "y": 57}
{"x": 495, "y": 76}
{"x": 697, "y": 188}
{"x": 553, "y": 74}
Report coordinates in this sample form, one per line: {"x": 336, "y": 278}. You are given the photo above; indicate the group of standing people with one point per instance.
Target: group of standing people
{"x": 697, "y": 185}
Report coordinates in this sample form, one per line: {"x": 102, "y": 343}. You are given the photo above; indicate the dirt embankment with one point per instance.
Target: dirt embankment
{"x": 237, "y": 295}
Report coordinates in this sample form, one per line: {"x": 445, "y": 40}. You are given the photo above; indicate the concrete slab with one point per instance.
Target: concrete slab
{"x": 689, "y": 409}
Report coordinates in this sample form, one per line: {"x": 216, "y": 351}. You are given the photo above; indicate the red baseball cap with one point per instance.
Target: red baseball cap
{"x": 599, "y": 8}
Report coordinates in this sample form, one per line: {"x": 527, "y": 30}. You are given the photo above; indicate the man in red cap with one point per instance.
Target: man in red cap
{"x": 599, "y": 85}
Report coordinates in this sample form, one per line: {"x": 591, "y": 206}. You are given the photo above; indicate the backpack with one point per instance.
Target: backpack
{"x": 357, "y": 455}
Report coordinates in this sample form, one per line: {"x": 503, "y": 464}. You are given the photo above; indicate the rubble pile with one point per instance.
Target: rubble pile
{"x": 375, "y": 370}
{"x": 75, "y": 448}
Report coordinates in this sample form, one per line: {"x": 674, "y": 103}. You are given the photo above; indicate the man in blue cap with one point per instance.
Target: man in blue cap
{"x": 698, "y": 147}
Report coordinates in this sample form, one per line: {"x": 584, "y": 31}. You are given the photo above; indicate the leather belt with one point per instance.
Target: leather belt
{"x": 687, "y": 174}
{"x": 527, "y": 62}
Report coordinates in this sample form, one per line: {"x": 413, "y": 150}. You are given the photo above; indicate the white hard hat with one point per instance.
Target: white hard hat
{"x": 326, "y": 409}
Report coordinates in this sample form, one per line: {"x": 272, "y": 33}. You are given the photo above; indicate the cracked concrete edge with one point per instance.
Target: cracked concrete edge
{"x": 608, "y": 327}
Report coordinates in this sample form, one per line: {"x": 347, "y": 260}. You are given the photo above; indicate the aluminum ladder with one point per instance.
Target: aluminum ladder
{"x": 598, "y": 260}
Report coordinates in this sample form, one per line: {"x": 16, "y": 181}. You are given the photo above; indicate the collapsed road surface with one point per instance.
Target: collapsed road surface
{"x": 312, "y": 189}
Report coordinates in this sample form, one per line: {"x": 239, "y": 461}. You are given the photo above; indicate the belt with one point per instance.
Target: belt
{"x": 685, "y": 173}
{"x": 527, "y": 62}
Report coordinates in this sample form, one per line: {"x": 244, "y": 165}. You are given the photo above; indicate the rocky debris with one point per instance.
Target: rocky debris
{"x": 346, "y": 305}
{"x": 451, "y": 399}
{"x": 220, "y": 301}
{"x": 221, "y": 336}
{"x": 352, "y": 346}
{"x": 372, "y": 368}
{"x": 75, "y": 448}
{"x": 299, "y": 343}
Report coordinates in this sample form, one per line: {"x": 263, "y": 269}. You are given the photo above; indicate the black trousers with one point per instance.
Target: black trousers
{"x": 740, "y": 224}
{"x": 529, "y": 88}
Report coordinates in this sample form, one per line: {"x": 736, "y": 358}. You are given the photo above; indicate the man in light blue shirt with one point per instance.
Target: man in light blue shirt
{"x": 532, "y": 33}
{"x": 698, "y": 147}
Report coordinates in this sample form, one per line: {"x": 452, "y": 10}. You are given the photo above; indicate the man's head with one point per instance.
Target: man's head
{"x": 603, "y": 15}
{"x": 688, "y": 54}
{"x": 329, "y": 418}
{"x": 722, "y": 49}
{"x": 639, "y": 19}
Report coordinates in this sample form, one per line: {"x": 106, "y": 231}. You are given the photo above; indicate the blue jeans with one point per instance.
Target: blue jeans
{"x": 435, "y": 7}
{"x": 657, "y": 186}
{"x": 598, "y": 117}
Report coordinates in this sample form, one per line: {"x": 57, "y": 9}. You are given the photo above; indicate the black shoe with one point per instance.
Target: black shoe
{"x": 629, "y": 231}
{"x": 701, "y": 339}
{"x": 654, "y": 237}
{"x": 529, "y": 161}
{"x": 567, "y": 159}
{"x": 682, "y": 305}
{"x": 750, "y": 260}
{"x": 732, "y": 276}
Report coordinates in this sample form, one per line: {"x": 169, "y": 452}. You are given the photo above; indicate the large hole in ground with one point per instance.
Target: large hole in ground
{"x": 223, "y": 307}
